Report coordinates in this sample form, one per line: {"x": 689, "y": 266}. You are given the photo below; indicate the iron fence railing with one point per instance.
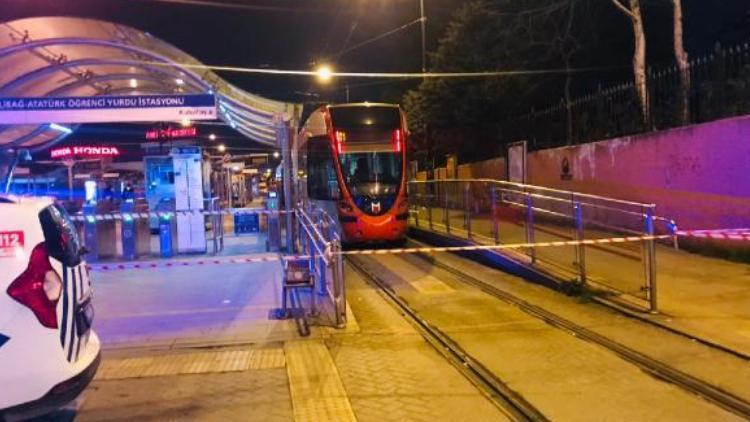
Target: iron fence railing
{"x": 718, "y": 86}
{"x": 488, "y": 211}
{"x": 318, "y": 238}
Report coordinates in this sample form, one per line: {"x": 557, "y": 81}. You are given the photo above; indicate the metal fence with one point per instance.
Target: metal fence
{"x": 719, "y": 86}
{"x": 318, "y": 238}
{"x": 499, "y": 212}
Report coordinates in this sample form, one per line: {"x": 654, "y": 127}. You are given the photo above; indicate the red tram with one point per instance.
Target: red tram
{"x": 350, "y": 160}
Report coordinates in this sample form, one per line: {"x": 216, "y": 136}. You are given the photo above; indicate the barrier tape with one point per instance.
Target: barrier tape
{"x": 623, "y": 239}
{"x": 192, "y": 263}
{"x": 329, "y": 253}
{"x": 719, "y": 234}
{"x": 731, "y": 234}
{"x": 126, "y": 216}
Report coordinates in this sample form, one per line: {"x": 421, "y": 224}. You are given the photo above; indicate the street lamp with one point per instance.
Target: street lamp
{"x": 212, "y": 137}
{"x": 222, "y": 148}
{"x": 324, "y": 74}
{"x": 275, "y": 154}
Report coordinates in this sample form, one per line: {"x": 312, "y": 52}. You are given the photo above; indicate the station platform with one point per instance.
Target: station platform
{"x": 703, "y": 297}
{"x": 199, "y": 343}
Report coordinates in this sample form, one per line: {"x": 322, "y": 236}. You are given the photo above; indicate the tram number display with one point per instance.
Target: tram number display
{"x": 9, "y": 241}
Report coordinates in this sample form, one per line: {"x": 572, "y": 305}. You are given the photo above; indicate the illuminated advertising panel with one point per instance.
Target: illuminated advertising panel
{"x": 84, "y": 151}
{"x": 172, "y": 133}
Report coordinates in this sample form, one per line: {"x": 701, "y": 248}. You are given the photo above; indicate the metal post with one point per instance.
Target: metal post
{"x": 579, "y": 236}
{"x": 650, "y": 262}
{"x": 423, "y": 21}
{"x": 530, "y": 226}
{"x": 70, "y": 182}
{"x": 467, "y": 210}
{"x": 493, "y": 209}
{"x": 215, "y": 224}
{"x": 416, "y": 208}
{"x": 430, "y": 204}
{"x": 446, "y": 217}
{"x": 283, "y": 133}
{"x": 339, "y": 285}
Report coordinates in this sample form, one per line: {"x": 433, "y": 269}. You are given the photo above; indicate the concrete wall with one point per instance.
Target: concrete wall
{"x": 699, "y": 175}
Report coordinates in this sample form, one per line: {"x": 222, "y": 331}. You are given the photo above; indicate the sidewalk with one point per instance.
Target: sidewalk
{"x": 705, "y": 297}
{"x": 197, "y": 343}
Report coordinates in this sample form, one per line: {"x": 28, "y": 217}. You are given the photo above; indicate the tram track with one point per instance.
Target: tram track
{"x": 510, "y": 402}
{"x": 656, "y": 368}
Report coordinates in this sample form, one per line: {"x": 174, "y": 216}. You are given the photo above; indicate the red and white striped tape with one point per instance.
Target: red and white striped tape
{"x": 146, "y": 265}
{"x": 724, "y": 234}
{"x": 718, "y": 234}
{"x": 251, "y": 260}
{"x": 624, "y": 239}
{"x": 159, "y": 214}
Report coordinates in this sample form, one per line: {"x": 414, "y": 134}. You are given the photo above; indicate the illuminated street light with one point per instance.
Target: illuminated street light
{"x": 222, "y": 148}
{"x": 275, "y": 154}
{"x": 212, "y": 137}
{"x": 324, "y": 74}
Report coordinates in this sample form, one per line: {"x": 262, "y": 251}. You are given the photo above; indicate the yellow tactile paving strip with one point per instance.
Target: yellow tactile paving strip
{"x": 315, "y": 385}
{"x": 191, "y": 363}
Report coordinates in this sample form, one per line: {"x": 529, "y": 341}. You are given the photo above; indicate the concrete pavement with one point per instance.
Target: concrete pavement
{"x": 705, "y": 297}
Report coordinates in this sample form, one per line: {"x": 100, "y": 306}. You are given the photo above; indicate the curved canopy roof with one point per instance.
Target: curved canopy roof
{"x": 56, "y": 56}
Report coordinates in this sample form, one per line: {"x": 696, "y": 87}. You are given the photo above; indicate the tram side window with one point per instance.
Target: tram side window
{"x": 321, "y": 176}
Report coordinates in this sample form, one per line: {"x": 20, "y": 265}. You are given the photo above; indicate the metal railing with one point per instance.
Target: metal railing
{"x": 488, "y": 211}
{"x": 127, "y": 233}
{"x": 318, "y": 238}
{"x": 717, "y": 87}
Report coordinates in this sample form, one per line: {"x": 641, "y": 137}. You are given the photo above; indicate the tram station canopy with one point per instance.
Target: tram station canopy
{"x": 69, "y": 57}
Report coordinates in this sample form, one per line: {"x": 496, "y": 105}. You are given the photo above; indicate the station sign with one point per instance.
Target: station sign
{"x": 84, "y": 151}
{"x": 172, "y": 133}
{"x": 107, "y": 109}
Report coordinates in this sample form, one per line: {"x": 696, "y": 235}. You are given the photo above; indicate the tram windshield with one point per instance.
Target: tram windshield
{"x": 369, "y": 142}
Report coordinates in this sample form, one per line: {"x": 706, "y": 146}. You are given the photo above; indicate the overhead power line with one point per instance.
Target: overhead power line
{"x": 378, "y": 38}
{"x": 241, "y": 6}
{"x": 404, "y": 75}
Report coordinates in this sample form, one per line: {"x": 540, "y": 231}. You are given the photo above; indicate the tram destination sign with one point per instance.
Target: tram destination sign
{"x": 107, "y": 109}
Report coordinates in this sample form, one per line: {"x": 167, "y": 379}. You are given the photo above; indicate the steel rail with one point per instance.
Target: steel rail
{"x": 658, "y": 369}
{"x": 506, "y": 399}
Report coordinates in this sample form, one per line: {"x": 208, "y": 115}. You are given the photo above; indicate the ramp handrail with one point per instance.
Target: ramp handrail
{"x": 539, "y": 211}
{"x": 329, "y": 275}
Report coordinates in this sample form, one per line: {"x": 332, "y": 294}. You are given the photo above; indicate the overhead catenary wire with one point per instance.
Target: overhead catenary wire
{"x": 240, "y": 6}
{"x": 377, "y": 38}
{"x": 403, "y": 75}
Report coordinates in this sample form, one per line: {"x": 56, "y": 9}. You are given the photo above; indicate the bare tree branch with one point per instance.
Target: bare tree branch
{"x": 623, "y": 9}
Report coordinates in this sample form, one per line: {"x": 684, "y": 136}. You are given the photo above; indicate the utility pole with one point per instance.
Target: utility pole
{"x": 423, "y": 21}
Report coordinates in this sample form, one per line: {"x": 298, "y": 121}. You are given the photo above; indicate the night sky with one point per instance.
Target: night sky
{"x": 295, "y": 34}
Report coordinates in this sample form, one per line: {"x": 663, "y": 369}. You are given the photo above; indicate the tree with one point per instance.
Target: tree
{"x": 491, "y": 35}
{"x": 683, "y": 65}
{"x": 633, "y": 11}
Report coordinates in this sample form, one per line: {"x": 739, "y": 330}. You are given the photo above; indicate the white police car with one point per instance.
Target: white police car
{"x": 48, "y": 352}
